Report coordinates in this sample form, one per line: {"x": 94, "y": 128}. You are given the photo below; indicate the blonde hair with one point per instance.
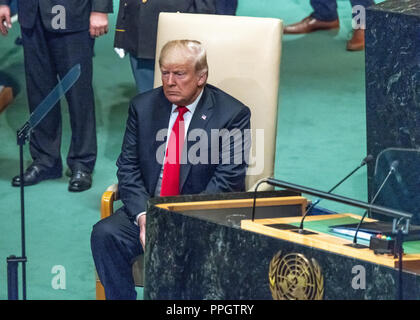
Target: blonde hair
{"x": 190, "y": 49}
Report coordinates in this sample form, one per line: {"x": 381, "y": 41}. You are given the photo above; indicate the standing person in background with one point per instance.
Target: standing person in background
{"x": 136, "y": 32}
{"x": 13, "y": 12}
{"x": 325, "y": 17}
{"x": 227, "y": 7}
{"x": 57, "y": 35}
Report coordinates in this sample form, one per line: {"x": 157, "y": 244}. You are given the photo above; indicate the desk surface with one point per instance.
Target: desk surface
{"x": 326, "y": 240}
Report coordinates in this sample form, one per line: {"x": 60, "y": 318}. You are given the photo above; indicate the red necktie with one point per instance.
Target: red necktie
{"x": 170, "y": 179}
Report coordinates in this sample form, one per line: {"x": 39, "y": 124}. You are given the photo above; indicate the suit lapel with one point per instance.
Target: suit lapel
{"x": 160, "y": 119}
{"x": 200, "y": 120}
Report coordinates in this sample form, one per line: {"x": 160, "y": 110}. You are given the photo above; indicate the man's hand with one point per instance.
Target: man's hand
{"x": 5, "y": 23}
{"x": 141, "y": 221}
{"x": 98, "y": 24}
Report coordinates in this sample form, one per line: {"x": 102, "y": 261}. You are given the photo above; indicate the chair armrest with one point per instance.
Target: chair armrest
{"x": 262, "y": 187}
{"x": 107, "y": 201}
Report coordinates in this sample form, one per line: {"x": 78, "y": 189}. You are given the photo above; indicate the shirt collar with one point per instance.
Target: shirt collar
{"x": 192, "y": 106}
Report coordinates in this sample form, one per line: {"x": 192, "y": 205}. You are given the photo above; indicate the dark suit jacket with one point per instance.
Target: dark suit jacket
{"x": 137, "y": 22}
{"x": 138, "y": 168}
{"x": 77, "y": 13}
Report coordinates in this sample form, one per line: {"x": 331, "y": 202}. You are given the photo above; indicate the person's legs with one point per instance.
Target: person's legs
{"x": 359, "y": 11}
{"x": 324, "y": 17}
{"x": 13, "y": 7}
{"x": 227, "y": 7}
{"x": 324, "y": 10}
{"x": 41, "y": 78}
{"x": 364, "y": 3}
{"x": 70, "y": 49}
{"x": 357, "y": 41}
{"x": 115, "y": 244}
{"x": 143, "y": 72}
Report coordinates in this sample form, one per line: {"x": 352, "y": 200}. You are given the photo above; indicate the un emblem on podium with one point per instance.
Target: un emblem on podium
{"x": 294, "y": 277}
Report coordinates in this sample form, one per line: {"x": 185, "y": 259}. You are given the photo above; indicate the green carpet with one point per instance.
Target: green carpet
{"x": 321, "y": 137}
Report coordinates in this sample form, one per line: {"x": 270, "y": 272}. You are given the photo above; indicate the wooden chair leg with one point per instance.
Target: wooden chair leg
{"x": 100, "y": 291}
{"x": 107, "y": 208}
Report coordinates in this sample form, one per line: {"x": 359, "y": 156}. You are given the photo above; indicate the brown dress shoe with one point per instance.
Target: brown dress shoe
{"x": 310, "y": 24}
{"x": 357, "y": 42}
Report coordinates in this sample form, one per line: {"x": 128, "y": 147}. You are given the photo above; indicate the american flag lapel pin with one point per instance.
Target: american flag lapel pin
{"x": 204, "y": 117}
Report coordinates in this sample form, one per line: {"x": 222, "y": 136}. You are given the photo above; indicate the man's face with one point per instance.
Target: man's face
{"x": 181, "y": 83}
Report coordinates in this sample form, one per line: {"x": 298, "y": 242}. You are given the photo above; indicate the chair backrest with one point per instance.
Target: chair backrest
{"x": 243, "y": 55}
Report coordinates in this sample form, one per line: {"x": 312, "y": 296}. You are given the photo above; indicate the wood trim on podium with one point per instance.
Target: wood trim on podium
{"x": 237, "y": 203}
{"x": 327, "y": 242}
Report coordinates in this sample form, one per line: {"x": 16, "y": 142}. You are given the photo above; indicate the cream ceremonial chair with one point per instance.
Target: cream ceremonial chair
{"x": 243, "y": 55}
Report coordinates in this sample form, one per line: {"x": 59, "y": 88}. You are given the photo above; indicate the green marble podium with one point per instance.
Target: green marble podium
{"x": 196, "y": 251}
{"x": 393, "y": 102}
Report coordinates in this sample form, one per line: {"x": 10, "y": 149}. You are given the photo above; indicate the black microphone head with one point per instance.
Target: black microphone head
{"x": 367, "y": 159}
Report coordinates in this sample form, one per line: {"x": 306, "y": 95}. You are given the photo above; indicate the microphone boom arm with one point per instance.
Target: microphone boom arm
{"x": 329, "y": 196}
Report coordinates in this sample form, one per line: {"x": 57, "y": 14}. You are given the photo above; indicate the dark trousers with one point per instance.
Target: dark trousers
{"x": 13, "y": 7}
{"x": 226, "y": 7}
{"x": 326, "y": 10}
{"x": 143, "y": 72}
{"x": 115, "y": 244}
{"x": 49, "y": 55}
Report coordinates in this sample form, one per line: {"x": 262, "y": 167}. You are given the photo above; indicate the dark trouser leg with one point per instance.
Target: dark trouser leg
{"x": 143, "y": 72}
{"x": 68, "y": 50}
{"x": 40, "y": 72}
{"x": 115, "y": 244}
{"x": 226, "y": 7}
{"x": 324, "y": 10}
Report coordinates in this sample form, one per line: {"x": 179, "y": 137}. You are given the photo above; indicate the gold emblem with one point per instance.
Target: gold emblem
{"x": 294, "y": 277}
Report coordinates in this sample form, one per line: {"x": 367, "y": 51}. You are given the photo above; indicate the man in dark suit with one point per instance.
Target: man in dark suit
{"x": 136, "y": 32}
{"x": 187, "y": 108}
{"x": 57, "y": 35}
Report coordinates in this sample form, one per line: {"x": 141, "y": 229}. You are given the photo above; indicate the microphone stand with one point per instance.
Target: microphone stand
{"x": 333, "y": 197}
{"x": 396, "y": 214}
{"x": 355, "y": 244}
{"x": 22, "y": 136}
{"x": 301, "y": 230}
{"x": 13, "y": 261}
{"x": 255, "y": 197}
{"x": 399, "y": 249}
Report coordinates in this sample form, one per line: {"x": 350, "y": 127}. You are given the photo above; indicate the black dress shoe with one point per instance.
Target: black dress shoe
{"x": 80, "y": 181}
{"x": 35, "y": 174}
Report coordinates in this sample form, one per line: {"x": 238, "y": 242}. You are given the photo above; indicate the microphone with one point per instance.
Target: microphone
{"x": 366, "y": 160}
{"x": 392, "y": 169}
{"x": 394, "y": 165}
